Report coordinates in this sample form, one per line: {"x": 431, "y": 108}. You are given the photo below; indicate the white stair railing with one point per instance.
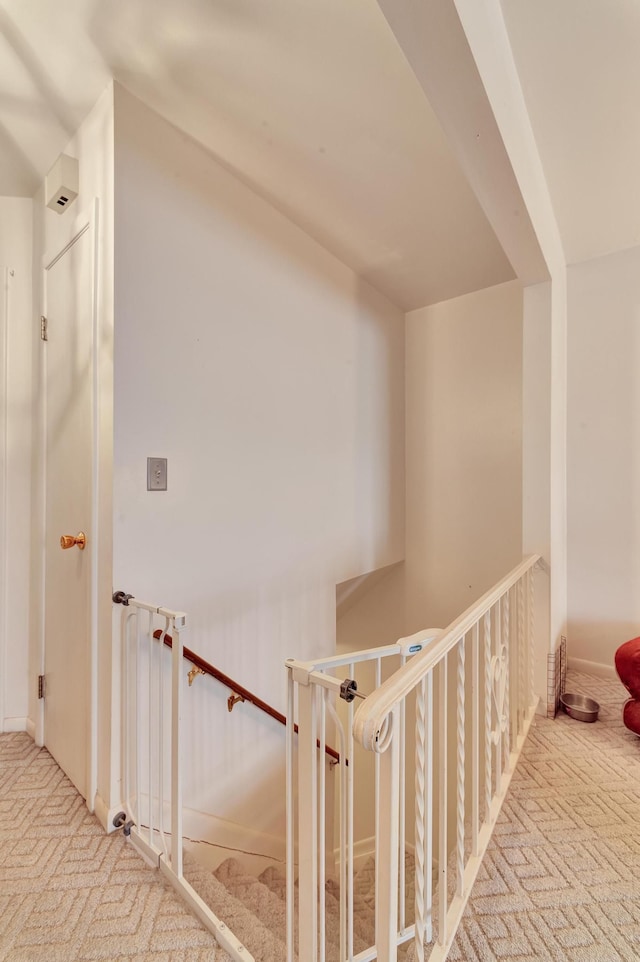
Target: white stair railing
{"x": 312, "y": 691}
{"x": 470, "y": 688}
{"x": 152, "y": 757}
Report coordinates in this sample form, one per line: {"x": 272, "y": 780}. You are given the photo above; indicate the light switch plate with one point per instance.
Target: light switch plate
{"x": 156, "y": 474}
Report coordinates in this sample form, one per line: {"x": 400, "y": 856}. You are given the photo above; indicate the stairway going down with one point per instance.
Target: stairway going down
{"x": 255, "y": 907}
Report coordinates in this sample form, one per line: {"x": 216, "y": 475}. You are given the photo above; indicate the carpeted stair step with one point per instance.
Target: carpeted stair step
{"x": 364, "y": 899}
{"x": 267, "y": 907}
{"x": 255, "y": 908}
{"x": 364, "y": 889}
{"x": 363, "y": 927}
{"x": 276, "y": 882}
{"x": 275, "y": 879}
{"x": 263, "y": 944}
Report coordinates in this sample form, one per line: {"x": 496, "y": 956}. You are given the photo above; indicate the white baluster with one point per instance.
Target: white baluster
{"x": 176, "y": 748}
{"x": 387, "y": 842}
{"x": 443, "y": 778}
{"x": 421, "y": 821}
{"x": 377, "y": 771}
{"x": 290, "y": 818}
{"x": 402, "y": 827}
{"x": 350, "y": 833}
{"x": 488, "y": 775}
{"x": 308, "y": 817}
{"x": 321, "y": 829}
{"x": 138, "y": 682}
{"x": 521, "y": 659}
{"x": 498, "y": 692}
{"x": 475, "y": 756}
{"x": 460, "y": 759}
{"x": 151, "y": 727}
{"x": 506, "y": 647}
{"x": 532, "y": 635}
{"x": 429, "y": 809}
{"x": 160, "y": 740}
{"x": 346, "y": 878}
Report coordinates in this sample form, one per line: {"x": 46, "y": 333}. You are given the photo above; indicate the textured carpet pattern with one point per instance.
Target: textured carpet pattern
{"x": 68, "y": 892}
{"x": 561, "y": 877}
{"x": 560, "y": 880}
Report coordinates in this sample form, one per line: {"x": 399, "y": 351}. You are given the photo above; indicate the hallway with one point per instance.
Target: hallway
{"x": 559, "y": 881}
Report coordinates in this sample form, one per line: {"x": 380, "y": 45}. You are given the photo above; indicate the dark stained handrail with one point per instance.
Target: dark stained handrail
{"x": 238, "y": 689}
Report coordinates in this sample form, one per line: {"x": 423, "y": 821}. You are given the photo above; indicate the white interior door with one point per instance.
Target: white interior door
{"x": 69, "y": 286}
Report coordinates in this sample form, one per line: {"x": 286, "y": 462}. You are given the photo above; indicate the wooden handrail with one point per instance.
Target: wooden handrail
{"x": 238, "y": 689}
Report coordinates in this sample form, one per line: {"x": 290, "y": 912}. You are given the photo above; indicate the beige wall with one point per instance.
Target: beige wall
{"x": 604, "y": 457}
{"x": 464, "y": 451}
{"x": 17, "y": 322}
{"x": 271, "y": 377}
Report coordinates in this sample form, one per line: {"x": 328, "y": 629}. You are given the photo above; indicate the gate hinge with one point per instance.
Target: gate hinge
{"x": 44, "y": 334}
{"x": 40, "y": 686}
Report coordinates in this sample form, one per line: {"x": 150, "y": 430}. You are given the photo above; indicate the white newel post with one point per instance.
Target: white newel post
{"x": 290, "y": 818}
{"x": 387, "y": 842}
{"x": 179, "y": 623}
{"x": 307, "y": 823}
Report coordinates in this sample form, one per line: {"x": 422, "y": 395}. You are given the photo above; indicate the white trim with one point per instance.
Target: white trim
{"x": 31, "y": 728}
{"x": 16, "y": 724}
{"x": 4, "y": 483}
{"x": 362, "y": 850}
{"x": 92, "y": 769}
{"x": 85, "y": 220}
{"x": 217, "y": 838}
{"x": 596, "y": 668}
{"x": 41, "y": 442}
{"x": 81, "y": 224}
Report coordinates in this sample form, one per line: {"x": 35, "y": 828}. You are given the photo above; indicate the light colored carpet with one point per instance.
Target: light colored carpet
{"x": 68, "y": 892}
{"x": 561, "y": 878}
{"x": 560, "y": 881}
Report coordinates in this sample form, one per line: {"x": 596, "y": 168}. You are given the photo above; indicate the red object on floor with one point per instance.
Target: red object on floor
{"x": 628, "y": 668}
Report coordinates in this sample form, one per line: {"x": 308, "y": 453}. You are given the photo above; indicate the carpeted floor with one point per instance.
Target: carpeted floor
{"x": 560, "y": 881}
{"x": 67, "y": 891}
{"x": 561, "y": 878}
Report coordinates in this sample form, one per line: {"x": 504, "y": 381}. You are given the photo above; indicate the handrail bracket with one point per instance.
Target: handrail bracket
{"x": 192, "y": 673}
{"x": 233, "y": 699}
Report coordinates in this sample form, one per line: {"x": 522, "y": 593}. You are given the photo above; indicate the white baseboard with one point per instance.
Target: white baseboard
{"x": 15, "y": 724}
{"x": 596, "y": 668}
{"x": 362, "y": 850}
{"x": 31, "y": 728}
{"x": 213, "y": 839}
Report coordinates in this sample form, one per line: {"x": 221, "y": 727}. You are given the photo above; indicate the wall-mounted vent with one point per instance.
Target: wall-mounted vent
{"x": 62, "y": 183}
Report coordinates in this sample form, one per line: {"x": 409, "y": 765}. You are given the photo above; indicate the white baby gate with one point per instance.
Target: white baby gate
{"x": 462, "y": 766}
{"x": 152, "y": 707}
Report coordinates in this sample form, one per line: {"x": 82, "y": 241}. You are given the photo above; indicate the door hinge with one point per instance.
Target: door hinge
{"x": 40, "y": 686}
{"x": 44, "y": 326}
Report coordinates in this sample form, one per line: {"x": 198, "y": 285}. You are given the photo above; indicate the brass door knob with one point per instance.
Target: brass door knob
{"x": 69, "y": 541}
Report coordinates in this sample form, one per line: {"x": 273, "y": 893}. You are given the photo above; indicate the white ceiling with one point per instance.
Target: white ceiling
{"x": 579, "y": 65}
{"x": 310, "y": 102}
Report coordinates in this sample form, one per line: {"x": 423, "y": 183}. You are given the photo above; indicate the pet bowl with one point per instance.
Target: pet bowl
{"x": 580, "y": 707}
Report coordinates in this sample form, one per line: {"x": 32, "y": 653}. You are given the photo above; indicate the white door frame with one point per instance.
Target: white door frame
{"x": 85, "y": 220}
{"x": 6, "y": 274}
